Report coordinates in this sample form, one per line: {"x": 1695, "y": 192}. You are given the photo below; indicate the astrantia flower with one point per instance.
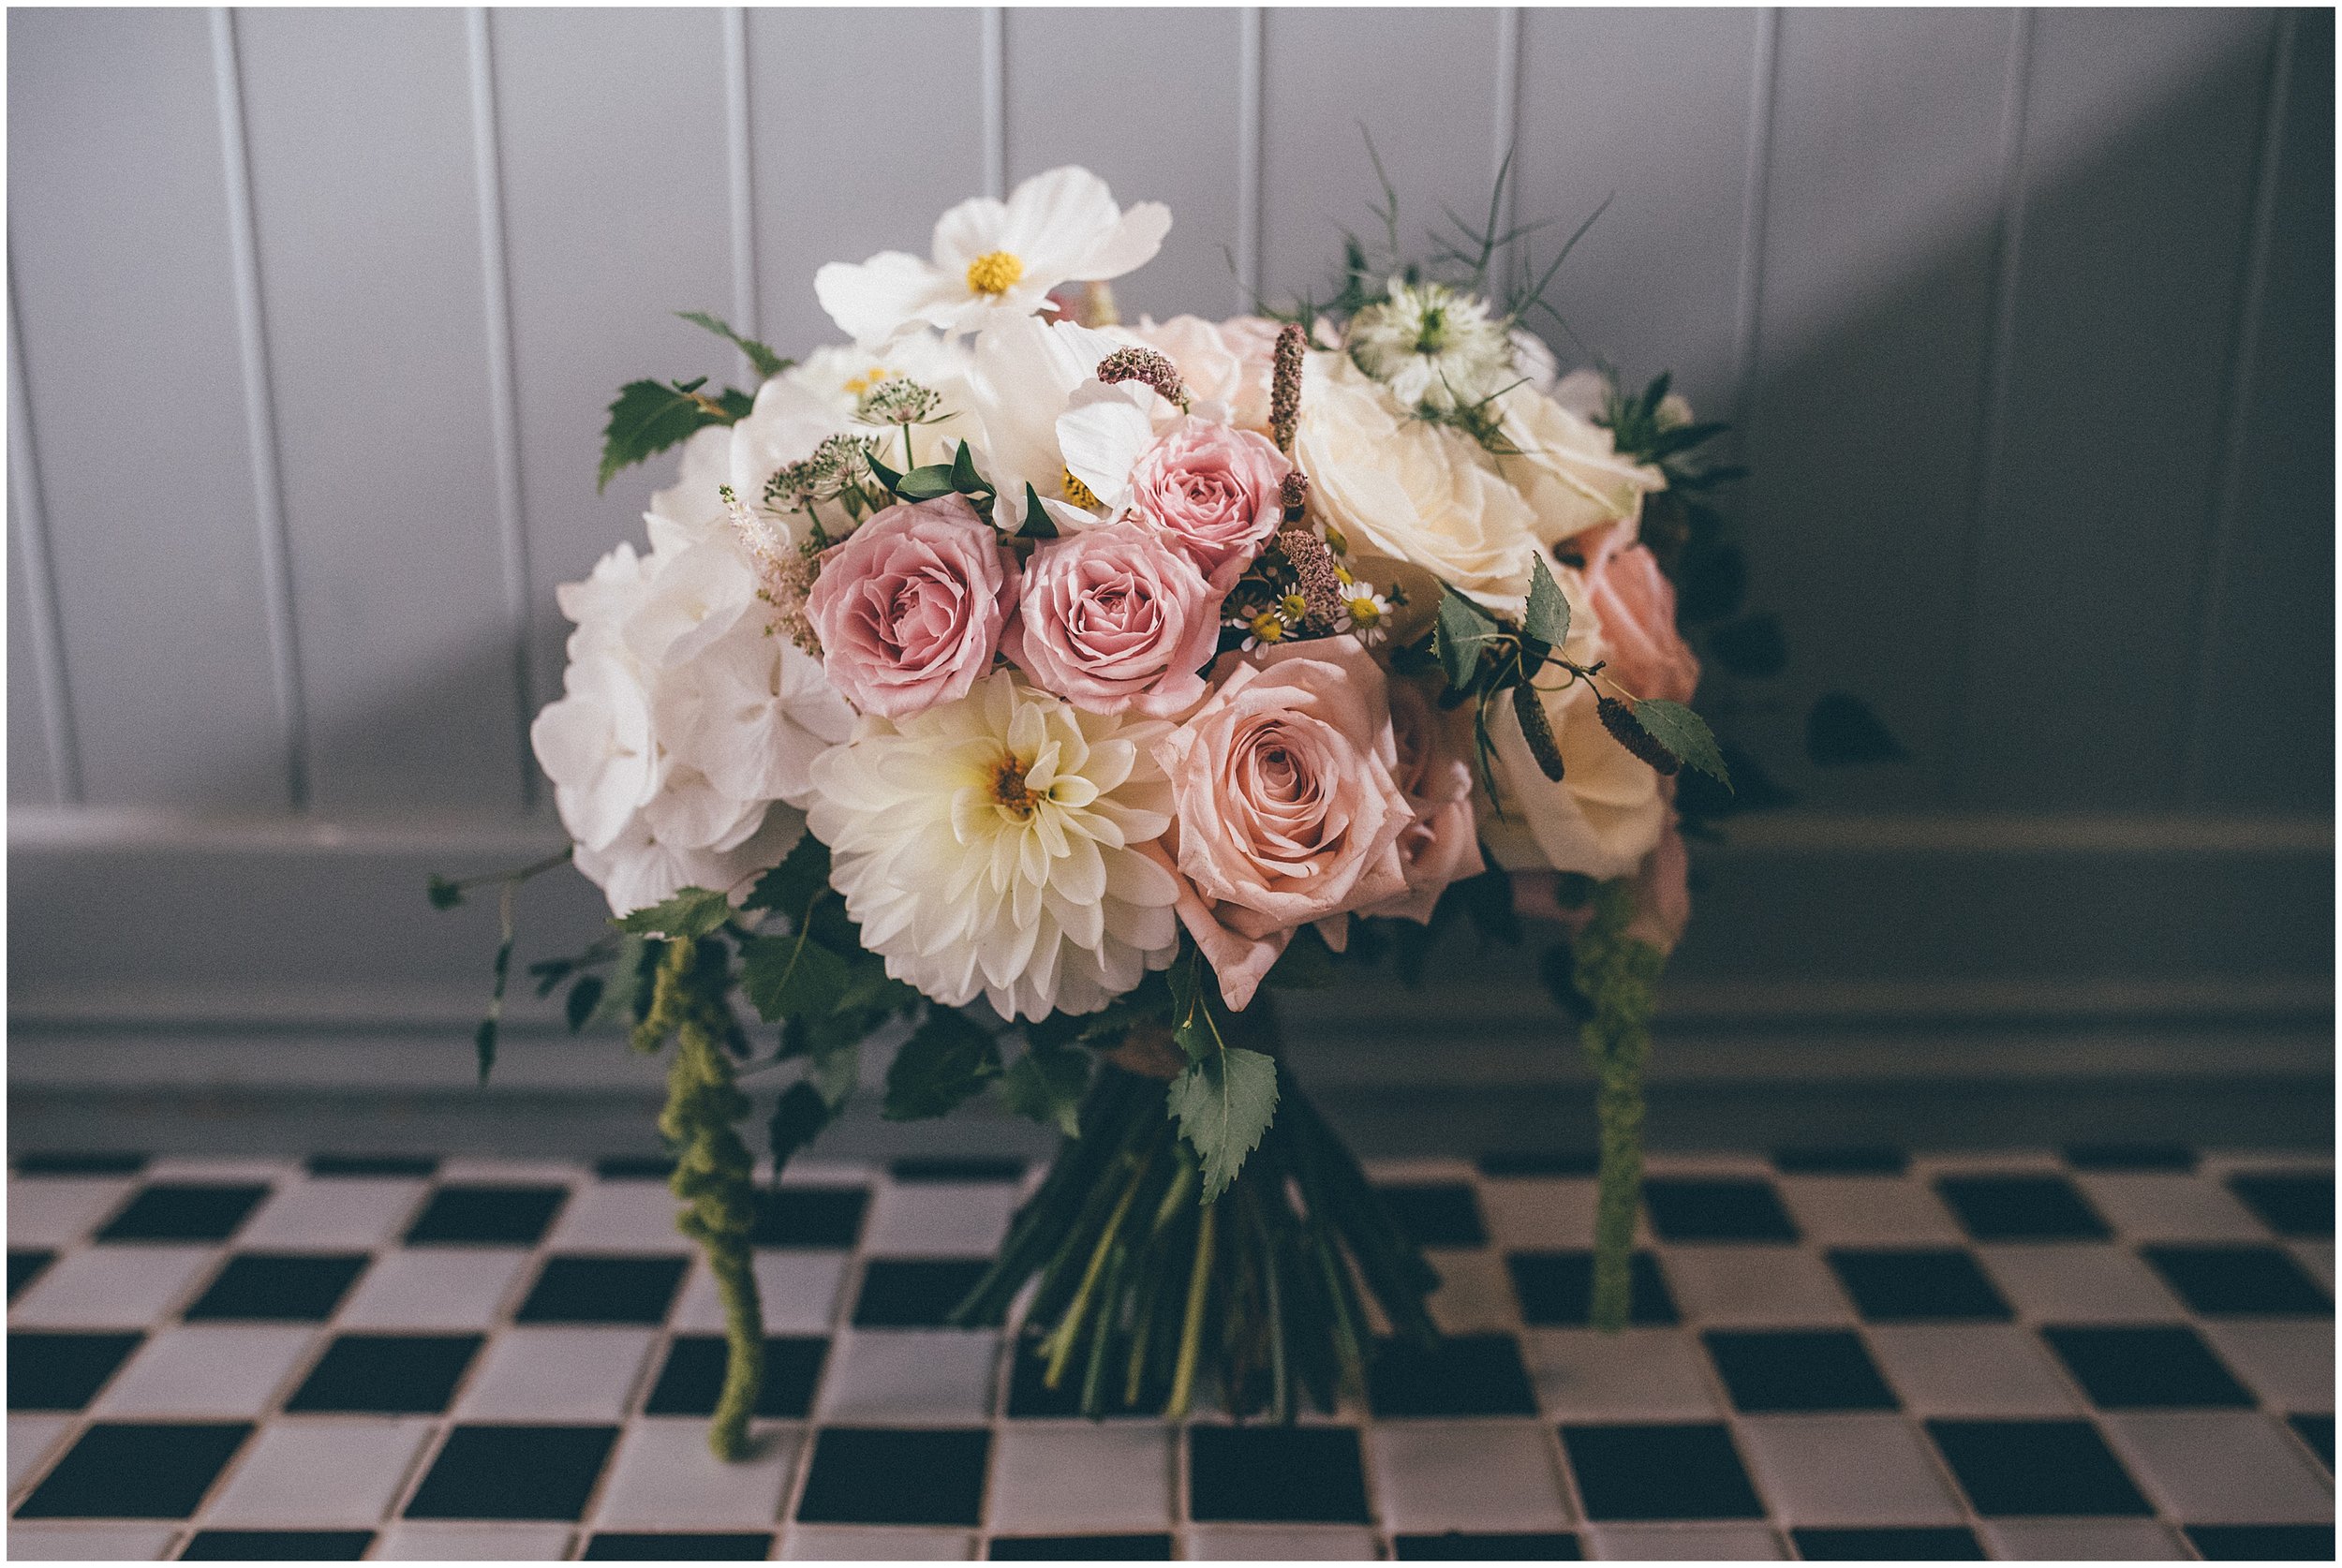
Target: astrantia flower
{"x": 993, "y": 258}
{"x": 992, "y": 845}
{"x": 1434, "y": 347}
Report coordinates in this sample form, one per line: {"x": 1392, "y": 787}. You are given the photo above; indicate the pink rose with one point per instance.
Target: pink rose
{"x": 1442, "y": 842}
{"x": 1229, "y": 364}
{"x": 1214, "y": 490}
{"x": 1285, "y": 811}
{"x": 909, "y": 610}
{"x": 1635, "y": 604}
{"x": 1115, "y": 618}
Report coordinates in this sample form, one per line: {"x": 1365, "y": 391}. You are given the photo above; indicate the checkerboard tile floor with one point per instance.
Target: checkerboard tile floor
{"x": 2095, "y": 1354}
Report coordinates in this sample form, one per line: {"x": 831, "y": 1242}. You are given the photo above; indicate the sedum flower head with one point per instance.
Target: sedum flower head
{"x": 1435, "y": 348}
{"x": 991, "y": 844}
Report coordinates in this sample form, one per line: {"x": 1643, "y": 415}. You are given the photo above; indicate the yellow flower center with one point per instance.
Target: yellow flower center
{"x": 1364, "y": 612}
{"x": 1076, "y": 492}
{"x": 995, "y": 272}
{"x": 1008, "y": 787}
{"x": 1268, "y": 628}
{"x": 1336, "y": 541}
{"x": 1295, "y": 606}
{"x": 860, "y": 384}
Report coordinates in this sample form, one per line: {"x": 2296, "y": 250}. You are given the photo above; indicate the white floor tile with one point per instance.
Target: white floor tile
{"x": 2082, "y": 1541}
{"x": 883, "y": 1376}
{"x": 1280, "y": 1544}
{"x": 31, "y": 1440}
{"x": 1971, "y": 1369}
{"x": 223, "y": 1168}
{"x": 1865, "y": 1211}
{"x": 354, "y": 1212}
{"x": 437, "y": 1288}
{"x": 875, "y": 1543}
{"x": 462, "y": 1170}
{"x": 1766, "y": 1286}
{"x": 2222, "y": 1467}
{"x": 2168, "y": 1207}
{"x": 1085, "y": 1479}
{"x": 59, "y": 1211}
{"x": 798, "y": 1292}
{"x": 313, "y": 1473}
{"x": 1846, "y": 1470}
{"x": 555, "y": 1374}
{"x": 1433, "y": 1476}
{"x": 2079, "y": 1282}
{"x": 1696, "y": 1543}
{"x": 1475, "y": 1292}
{"x": 663, "y": 1477}
{"x": 619, "y": 1217}
{"x": 940, "y": 1220}
{"x": 473, "y": 1543}
{"x": 111, "y": 1287}
{"x": 106, "y": 1543}
{"x": 207, "y": 1370}
{"x": 1539, "y": 1212}
{"x": 1636, "y": 1373}
{"x": 2289, "y": 1363}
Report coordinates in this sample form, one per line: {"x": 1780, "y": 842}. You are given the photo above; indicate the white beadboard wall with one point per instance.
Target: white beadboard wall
{"x": 2025, "y": 317}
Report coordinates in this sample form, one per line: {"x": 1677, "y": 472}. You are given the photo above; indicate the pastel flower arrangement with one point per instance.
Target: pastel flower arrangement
{"x": 1110, "y": 676}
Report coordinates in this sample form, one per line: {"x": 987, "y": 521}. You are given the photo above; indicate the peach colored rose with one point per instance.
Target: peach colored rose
{"x": 909, "y": 610}
{"x": 1222, "y": 363}
{"x": 1214, "y": 490}
{"x": 1636, "y": 604}
{"x": 1662, "y": 894}
{"x": 1285, "y": 809}
{"x": 1442, "y": 842}
{"x": 1115, "y": 618}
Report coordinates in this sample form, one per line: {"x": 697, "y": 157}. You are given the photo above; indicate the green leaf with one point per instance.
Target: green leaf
{"x": 796, "y": 1121}
{"x": 444, "y": 894}
{"x": 1460, "y": 636}
{"x": 1223, "y": 1104}
{"x": 947, "y": 1059}
{"x": 795, "y": 882}
{"x": 784, "y": 977}
{"x": 964, "y": 476}
{"x": 651, "y": 416}
{"x": 926, "y": 483}
{"x": 1194, "y": 1025}
{"x": 888, "y": 477}
{"x": 1548, "y": 620}
{"x": 690, "y": 915}
{"x": 584, "y": 999}
{"x": 1684, "y": 733}
{"x": 1038, "y": 524}
{"x": 1047, "y": 1083}
{"x": 1841, "y": 730}
{"x": 769, "y": 363}
{"x": 1753, "y": 646}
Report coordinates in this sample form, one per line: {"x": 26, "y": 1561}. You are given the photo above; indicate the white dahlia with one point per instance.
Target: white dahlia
{"x": 992, "y": 845}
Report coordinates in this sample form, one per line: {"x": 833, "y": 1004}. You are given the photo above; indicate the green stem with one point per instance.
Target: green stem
{"x": 1191, "y": 1332}
{"x": 1068, "y": 1333}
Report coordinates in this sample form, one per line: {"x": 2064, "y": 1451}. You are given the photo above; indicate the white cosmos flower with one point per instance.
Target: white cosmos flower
{"x": 990, "y": 259}
{"x": 1046, "y": 419}
{"x": 992, "y": 845}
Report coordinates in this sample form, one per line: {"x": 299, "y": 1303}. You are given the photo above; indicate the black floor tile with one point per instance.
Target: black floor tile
{"x": 372, "y": 1166}
{"x": 1436, "y": 1214}
{"x": 80, "y": 1164}
{"x": 2240, "y": 1279}
{"x": 2059, "y": 1468}
{"x": 1841, "y": 1162}
{"x": 1556, "y": 1289}
{"x": 571, "y": 1289}
{"x": 1276, "y": 1475}
{"x": 635, "y": 1167}
{"x": 285, "y": 1287}
{"x": 2146, "y": 1368}
{"x": 1465, "y": 1374}
{"x": 514, "y": 1472}
{"x": 915, "y": 1293}
{"x": 810, "y": 1216}
{"x": 699, "y": 1546}
{"x": 25, "y": 1266}
{"x": 1541, "y": 1162}
{"x": 693, "y": 1377}
{"x": 894, "y": 1476}
{"x": 2130, "y": 1156}
{"x": 2316, "y": 1431}
{"x": 956, "y": 1167}
{"x": 63, "y": 1371}
{"x": 143, "y": 1471}
{"x": 1659, "y": 1473}
{"x": 185, "y": 1212}
{"x": 1940, "y": 1543}
{"x": 1460, "y": 1546}
{"x": 1917, "y": 1285}
{"x": 1682, "y": 1209}
{"x": 2022, "y": 1207}
{"x": 278, "y": 1545}
{"x": 387, "y": 1374}
{"x": 1080, "y": 1548}
{"x": 2297, "y": 1204}
{"x": 1797, "y": 1368}
{"x": 2304, "y": 1543}
{"x": 506, "y": 1216}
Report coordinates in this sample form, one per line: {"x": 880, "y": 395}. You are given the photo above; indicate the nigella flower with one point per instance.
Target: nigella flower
{"x": 1434, "y": 347}
{"x": 992, "y": 845}
{"x": 992, "y": 259}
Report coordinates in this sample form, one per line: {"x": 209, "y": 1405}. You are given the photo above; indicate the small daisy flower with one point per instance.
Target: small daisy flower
{"x": 1365, "y": 612}
{"x": 1267, "y": 627}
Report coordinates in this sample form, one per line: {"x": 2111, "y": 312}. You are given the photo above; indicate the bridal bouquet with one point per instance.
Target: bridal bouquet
{"x": 1110, "y": 675}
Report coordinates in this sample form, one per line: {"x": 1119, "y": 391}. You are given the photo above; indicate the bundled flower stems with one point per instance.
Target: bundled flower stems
{"x": 1110, "y": 675}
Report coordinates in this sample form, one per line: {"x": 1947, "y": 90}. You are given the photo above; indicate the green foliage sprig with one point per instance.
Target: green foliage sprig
{"x": 1618, "y": 976}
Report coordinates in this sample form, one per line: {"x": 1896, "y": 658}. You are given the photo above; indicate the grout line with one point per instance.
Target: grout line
{"x": 260, "y": 411}
{"x": 1251, "y": 44}
{"x": 1754, "y": 198}
{"x": 28, "y": 501}
{"x": 992, "y": 72}
{"x": 503, "y": 387}
{"x": 742, "y": 147}
{"x": 1507, "y": 140}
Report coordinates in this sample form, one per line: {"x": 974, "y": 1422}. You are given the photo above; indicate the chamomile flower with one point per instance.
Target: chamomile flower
{"x": 1268, "y": 626}
{"x": 1435, "y": 348}
{"x": 1364, "y": 612}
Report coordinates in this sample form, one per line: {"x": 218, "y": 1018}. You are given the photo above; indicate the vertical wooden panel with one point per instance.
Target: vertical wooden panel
{"x": 2141, "y": 141}
{"x": 617, "y": 212}
{"x": 43, "y": 760}
{"x": 1880, "y": 235}
{"x": 119, "y": 249}
{"x": 849, "y": 164}
{"x": 2260, "y": 743}
{"x": 1422, "y": 81}
{"x": 1653, "y": 282}
{"x": 1174, "y": 141}
{"x": 363, "y": 118}
{"x": 31, "y": 777}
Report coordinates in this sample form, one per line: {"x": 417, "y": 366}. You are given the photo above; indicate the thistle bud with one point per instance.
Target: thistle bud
{"x": 1628, "y": 731}
{"x": 1285, "y": 390}
{"x": 1294, "y": 495}
{"x": 1537, "y": 730}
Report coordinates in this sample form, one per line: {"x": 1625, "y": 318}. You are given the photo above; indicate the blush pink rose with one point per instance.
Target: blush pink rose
{"x": 1285, "y": 809}
{"x": 1214, "y": 490}
{"x": 1442, "y": 843}
{"x": 909, "y": 610}
{"x": 1229, "y": 364}
{"x": 1636, "y": 604}
{"x": 1115, "y": 618}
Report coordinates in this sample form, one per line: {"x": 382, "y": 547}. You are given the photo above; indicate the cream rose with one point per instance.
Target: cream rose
{"x": 1569, "y": 468}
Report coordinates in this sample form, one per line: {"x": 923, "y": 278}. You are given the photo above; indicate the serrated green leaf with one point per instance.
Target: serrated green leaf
{"x": 1038, "y": 522}
{"x": 1548, "y": 619}
{"x": 1460, "y": 636}
{"x": 584, "y": 999}
{"x": 1684, "y": 733}
{"x": 649, "y": 418}
{"x": 767, "y": 362}
{"x": 795, "y": 882}
{"x": 786, "y": 977}
{"x": 1224, "y": 1104}
{"x": 797, "y": 1120}
{"x": 693, "y": 912}
{"x": 1047, "y": 1083}
{"x": 947, "y": 1059}
{"x": 927, "y": 483}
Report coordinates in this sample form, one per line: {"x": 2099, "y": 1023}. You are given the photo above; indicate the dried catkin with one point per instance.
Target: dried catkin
{"x": 1619, "y": 721}
{"x": 1537, "y": 730}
